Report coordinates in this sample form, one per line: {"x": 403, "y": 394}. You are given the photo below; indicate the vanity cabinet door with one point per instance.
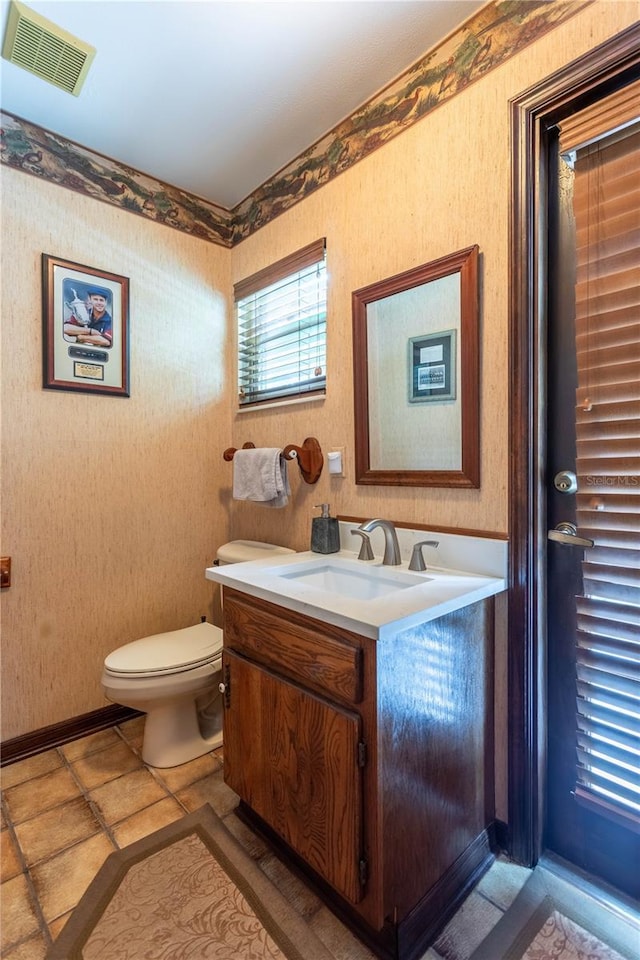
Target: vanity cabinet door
{"x": 292, "y": 756}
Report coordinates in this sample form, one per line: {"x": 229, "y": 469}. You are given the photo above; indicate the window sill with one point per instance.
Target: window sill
{"x": 270, "y": 405}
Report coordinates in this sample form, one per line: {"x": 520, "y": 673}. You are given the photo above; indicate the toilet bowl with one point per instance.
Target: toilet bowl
{"x": 173, "y": 677}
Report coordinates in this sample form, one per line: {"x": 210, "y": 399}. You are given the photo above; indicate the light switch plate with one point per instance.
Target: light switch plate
{"x": 339, "y": 460}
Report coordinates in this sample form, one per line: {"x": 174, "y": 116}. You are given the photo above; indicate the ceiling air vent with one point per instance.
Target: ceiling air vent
{"x": 33, "y": 42}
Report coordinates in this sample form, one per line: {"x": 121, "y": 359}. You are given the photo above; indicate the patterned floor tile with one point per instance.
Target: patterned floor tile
{"x": 78, "y": 866}
{"x": 92, "y": 743}
{"x": 121, "y": 798}
{"x": 502, "y": 884}
{"x": 35, "y": 948}
{"x": 19, "y": 916}
{"x": 133, "y": 731}
{"x": 10, "y": 865}
{"x": 212, "y": 790}
{"x": 31, "y": 767}
{"x": 468, "y": 928}
{"x": 336, "y": 938}
{"x": 99, "y": 767}
{"x": 147, "y": 821}
{"x": 187, "y": 773}
{"x": 59, "y": 824}
{"x": 290, "y": 886}
{"x": 51, "y": 832}
{"x": 39, "y": 794}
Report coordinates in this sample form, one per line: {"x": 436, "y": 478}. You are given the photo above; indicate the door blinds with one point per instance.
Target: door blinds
{"x": 607, "y": 223}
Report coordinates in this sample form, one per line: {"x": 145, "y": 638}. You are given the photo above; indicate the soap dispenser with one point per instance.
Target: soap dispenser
{"x": 325, "y": 532}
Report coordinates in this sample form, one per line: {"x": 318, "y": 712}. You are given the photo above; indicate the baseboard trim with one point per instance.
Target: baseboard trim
{"x": 408, "y": 939}
{"x": 499, "y": 836}
{"x": 30, "y": 744}
{"x": 423, "y": 925}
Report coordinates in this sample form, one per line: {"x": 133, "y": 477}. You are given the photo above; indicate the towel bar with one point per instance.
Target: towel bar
{"x": 309, "y": 457}
{"x": 229, "y": 452}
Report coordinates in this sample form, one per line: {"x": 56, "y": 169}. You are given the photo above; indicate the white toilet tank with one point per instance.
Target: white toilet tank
{"x": 239, "y": 551}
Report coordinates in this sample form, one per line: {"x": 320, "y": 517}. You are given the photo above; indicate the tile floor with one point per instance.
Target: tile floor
{"x": 64, "y": 811}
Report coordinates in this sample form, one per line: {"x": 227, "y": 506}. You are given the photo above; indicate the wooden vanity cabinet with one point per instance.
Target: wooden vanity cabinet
{"x": 366, "y": 762}
{"x": 294, "y": 734}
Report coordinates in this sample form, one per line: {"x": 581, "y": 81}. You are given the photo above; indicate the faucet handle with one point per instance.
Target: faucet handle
{"x": 366, "y": 553}
{"x": 417, "y": 560}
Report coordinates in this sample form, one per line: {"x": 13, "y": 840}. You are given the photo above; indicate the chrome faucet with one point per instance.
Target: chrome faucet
{"x": 392, "y": 556}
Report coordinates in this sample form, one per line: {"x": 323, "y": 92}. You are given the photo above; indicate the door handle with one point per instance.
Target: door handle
{"x": 567, "y": 533}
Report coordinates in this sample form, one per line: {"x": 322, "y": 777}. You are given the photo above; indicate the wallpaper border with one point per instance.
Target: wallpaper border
{"x": 488, "y": 39}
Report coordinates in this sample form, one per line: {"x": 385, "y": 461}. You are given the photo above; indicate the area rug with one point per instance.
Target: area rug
{"x": 186, "y": 892}
{"x": 550, "y": 920}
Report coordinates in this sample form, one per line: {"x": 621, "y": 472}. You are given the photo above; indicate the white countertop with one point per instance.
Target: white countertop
{"x": 436, "y": 591}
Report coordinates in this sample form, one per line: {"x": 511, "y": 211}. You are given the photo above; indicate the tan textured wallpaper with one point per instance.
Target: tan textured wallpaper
{"x": 439, "y": 187}
{"x": 110, "y": 505}
{"x": 113, "y": 507}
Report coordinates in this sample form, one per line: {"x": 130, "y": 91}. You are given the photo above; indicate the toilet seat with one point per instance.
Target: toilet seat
{"x": 167, "y": 653}
{"x": 174, "y": 678}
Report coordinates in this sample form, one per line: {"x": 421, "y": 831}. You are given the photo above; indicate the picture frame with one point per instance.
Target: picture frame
{"x": 85, "y": 328}
{"x": 432, "y": 367}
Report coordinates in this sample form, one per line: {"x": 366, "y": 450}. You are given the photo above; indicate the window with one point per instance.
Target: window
{"x": 282, "y": 328}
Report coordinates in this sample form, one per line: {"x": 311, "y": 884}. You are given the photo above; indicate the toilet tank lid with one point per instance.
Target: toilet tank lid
{"x": 238, "y": 551}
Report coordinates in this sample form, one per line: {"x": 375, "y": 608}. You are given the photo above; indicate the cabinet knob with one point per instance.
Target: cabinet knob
{"x": 222, "y": 687}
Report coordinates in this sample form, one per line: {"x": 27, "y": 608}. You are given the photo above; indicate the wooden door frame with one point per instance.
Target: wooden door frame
{"x": 534, "y": 115}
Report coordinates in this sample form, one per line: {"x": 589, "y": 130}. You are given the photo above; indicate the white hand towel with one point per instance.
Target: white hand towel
{"x": 260, "y": 475}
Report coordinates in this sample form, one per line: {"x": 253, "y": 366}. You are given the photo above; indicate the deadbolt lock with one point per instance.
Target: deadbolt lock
{"x": 566, "y": 481}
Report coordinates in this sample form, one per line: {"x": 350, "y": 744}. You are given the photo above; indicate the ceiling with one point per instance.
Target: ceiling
{"x": 215, "y": 96}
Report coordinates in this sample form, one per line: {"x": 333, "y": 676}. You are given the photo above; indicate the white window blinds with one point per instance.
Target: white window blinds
{"x": 607, "y": 216}
{"x": 282, "y": 328}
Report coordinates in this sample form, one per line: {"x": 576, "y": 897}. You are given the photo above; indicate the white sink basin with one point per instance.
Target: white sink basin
{"x": 367, "y": 597}
{"x": 363, "y": 583}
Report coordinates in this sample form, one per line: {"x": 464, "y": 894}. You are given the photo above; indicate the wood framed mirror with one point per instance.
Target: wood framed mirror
{"x": 416, "y": 376}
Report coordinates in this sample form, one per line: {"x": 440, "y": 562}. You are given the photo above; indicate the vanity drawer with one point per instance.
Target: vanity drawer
{"x": 309, "y": 652}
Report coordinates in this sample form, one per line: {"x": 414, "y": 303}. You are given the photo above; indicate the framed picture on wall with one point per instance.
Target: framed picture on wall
{"x": 432, "y": 367}
{"x": 85, "y": 328}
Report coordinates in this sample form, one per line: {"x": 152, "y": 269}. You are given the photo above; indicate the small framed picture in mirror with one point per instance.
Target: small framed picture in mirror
{"x": 432, "y": 367}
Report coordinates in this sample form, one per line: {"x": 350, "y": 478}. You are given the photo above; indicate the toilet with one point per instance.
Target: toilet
{"x": 173, "y": 677}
